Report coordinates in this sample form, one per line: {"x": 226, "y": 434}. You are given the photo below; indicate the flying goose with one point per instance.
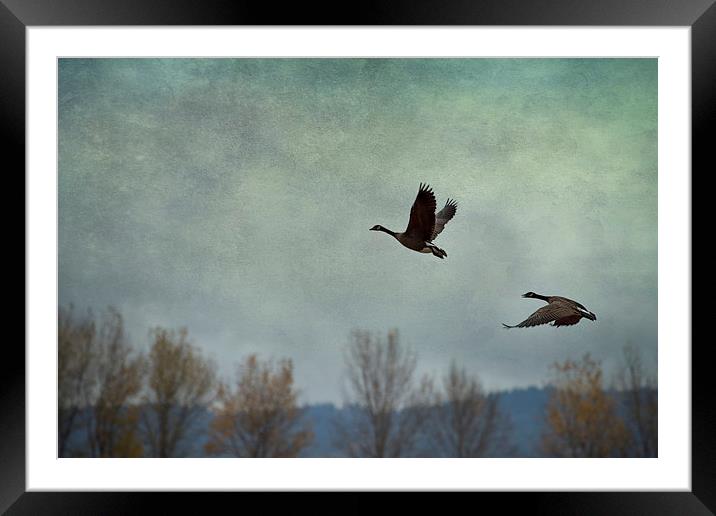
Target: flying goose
{"x": 424, "y": 225}
{"x": 563, "y": 311}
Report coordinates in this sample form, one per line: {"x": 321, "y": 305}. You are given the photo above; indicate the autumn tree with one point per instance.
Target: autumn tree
{"x": 260, "y": 417}
{"x": 581, "y": 418}
{"x": 389, "y": 408}
{"x": 117, "y": 375}
{"x": 180, "y": 386}
{"x": 640, "y": 395}
{"x": 75, "y": 355}
{"x": 465, "y": 421}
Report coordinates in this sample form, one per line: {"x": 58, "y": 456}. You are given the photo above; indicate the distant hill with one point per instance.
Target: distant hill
{"x": 523, "y": 407}
{"x": 322, "y": 418}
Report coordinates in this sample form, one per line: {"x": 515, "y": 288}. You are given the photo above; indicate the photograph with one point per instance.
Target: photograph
{"x": 357, "y": 257}
{"x": 414, "y": 248}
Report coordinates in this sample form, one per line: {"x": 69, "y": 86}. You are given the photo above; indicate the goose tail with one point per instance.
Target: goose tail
{"x": 440, "y": 253}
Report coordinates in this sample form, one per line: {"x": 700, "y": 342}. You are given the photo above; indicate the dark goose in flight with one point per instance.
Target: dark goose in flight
{"x": 424, "y": 225}
{"x": 563, "y": 311}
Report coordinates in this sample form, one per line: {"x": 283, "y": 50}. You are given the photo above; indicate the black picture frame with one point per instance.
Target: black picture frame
{"x": 16, "y": 15}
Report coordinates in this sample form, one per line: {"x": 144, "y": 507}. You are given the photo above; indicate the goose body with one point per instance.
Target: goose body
{"x": 424, "y": 225}
{"x": 560, "y": 311}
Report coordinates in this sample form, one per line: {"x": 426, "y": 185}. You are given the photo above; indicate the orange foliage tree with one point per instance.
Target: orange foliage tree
{"x": 180, "y": 386}
{"x": 260, "y": 417}
{"x": 581, "y": 418}
{"x": 118, "y": 373}
{"x": 75, "y": 357}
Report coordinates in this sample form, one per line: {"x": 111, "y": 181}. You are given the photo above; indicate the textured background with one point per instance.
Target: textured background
{"x": 234, "y": 197}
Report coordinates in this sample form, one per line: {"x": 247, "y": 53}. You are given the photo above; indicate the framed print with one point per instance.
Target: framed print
{"x": 220, "y": 295}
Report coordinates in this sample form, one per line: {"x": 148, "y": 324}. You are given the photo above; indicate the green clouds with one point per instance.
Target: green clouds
{"x": 235, "y": 196}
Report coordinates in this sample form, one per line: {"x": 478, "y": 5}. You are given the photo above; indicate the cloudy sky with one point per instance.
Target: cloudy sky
{"x": 234, "y": 197}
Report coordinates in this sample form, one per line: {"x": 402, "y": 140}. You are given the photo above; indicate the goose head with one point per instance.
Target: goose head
{"x": 536, "y": 296}
{"x": 378, "y": 227}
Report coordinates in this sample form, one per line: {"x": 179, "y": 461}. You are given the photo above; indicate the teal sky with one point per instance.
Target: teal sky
{"x": 234, "y": 197}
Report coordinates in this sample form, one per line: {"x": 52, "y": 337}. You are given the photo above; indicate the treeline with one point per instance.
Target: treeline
{"x": 114, "y": 401}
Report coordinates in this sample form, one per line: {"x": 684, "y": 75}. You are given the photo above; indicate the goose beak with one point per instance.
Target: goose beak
{"x": 592, "y": 316}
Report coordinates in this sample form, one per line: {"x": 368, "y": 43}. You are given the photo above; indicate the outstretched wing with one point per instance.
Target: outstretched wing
{"x": 545, "y": 315}
{"x": 443, "y": 217}
{"x": 422, "y": 214}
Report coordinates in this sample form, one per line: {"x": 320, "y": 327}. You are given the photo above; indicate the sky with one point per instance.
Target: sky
{"x": 234, "y": 197}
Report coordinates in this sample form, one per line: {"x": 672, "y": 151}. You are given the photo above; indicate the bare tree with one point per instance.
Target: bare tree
{"x": 75, "y": 355}
{"x": 640, "y": 394}
{"x": 117, "y": 379}
{"x": 581, "y": 418}
{"x": 389, "y": 410}
{"x": 260, "y": 418}
{"x": 467, "y": 422}
{"x": 180, "y": 387}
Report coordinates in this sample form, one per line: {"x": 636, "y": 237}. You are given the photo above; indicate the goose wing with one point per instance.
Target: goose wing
{"x": 576, "y": 306}
{"x": 422, "y": 214}
{"x": 545, "y": 315}
{"x": 443, "y": 217}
